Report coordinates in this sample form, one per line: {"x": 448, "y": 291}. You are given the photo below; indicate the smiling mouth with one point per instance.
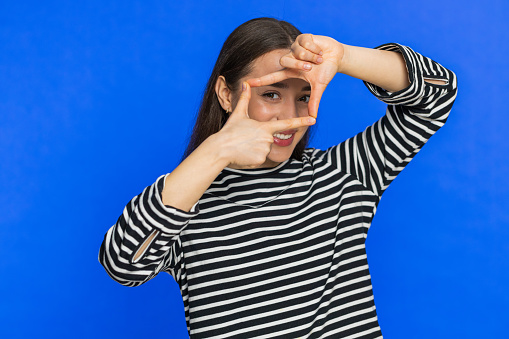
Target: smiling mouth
{"x": 283, "y": 135}
{"x": 284, "y": 138}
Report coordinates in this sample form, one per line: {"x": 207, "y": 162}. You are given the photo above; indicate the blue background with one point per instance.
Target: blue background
{"x": 97, "y": 99}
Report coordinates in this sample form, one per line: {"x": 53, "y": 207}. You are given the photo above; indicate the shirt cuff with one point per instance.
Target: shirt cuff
{"x": 415, "y": 90}
{"x": 167, "y": 219}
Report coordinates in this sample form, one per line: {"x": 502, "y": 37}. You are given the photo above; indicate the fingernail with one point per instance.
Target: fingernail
{"x": 244, "y": 86}
{"x": 311, "y": 120}
{"x": 319, "y": 59}
{"x": 307, "y": 66}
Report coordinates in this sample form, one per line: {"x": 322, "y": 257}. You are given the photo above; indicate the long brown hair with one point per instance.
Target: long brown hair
{"x": 247, "y": 42}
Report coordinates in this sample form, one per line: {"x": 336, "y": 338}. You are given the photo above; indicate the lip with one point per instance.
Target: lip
{"x": 285, "y": 142}
{"x": 290, "y": 131}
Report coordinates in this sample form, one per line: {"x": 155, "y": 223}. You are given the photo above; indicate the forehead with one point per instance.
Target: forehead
{"x": 267, "y": 63}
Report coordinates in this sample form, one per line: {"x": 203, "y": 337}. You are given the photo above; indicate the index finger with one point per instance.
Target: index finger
{"x": 286, "y": 124}
{"x": 314, "y": 99}
{"x": 272, "y": 78}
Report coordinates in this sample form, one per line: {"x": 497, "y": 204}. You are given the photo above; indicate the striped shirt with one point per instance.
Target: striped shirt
{"x": 280, "y": 252}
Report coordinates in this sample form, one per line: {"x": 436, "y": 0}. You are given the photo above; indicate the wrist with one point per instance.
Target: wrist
{"x": 214, "y": 146}
{"x": 345, "y": 60}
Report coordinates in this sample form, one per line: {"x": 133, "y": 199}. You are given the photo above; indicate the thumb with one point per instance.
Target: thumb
{"x": 243, "y": 103}
{"x": 314, "y": 100}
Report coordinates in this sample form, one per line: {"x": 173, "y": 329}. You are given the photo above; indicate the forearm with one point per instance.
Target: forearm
{"x": 413, "y": 115}
{"x": 187, "y": 183}
{"x": 134, "y": 248}
{"x": 382, "y": 68}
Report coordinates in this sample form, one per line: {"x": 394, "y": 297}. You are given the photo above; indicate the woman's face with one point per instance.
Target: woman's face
{"x": 283, "y": 100}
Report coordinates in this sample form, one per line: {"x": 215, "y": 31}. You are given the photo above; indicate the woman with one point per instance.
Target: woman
{"x": 265, "y": 237}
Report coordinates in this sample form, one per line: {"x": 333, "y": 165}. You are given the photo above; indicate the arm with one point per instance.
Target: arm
{"x": 142, "y": 241}
{"x": 385, "y": 69}
{"x": 419, "y": 93}
{"x": 317, "y": 59}
{"x": 414, "y": 113}
{"x": 145, "y": 239}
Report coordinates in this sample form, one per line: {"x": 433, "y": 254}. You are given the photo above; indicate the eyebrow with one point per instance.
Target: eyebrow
{"x": 285, "y": 86}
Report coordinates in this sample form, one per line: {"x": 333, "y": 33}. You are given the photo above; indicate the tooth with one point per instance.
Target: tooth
{"x": 282, "y": 136}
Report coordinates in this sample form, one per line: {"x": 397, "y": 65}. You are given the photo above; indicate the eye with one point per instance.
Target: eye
{"x": 304, "y": 98}
{"x": 272, "y": 95}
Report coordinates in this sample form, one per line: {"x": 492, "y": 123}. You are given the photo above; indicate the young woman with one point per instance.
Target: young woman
{"x": 265, "y": 237}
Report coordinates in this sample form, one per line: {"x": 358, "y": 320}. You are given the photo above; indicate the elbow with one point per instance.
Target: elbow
{"x": 452, "y": 83}
{"x": 123, "y": 273}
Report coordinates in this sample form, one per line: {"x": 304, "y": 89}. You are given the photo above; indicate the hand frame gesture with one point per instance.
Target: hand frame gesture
{"x": 313, "y": 58}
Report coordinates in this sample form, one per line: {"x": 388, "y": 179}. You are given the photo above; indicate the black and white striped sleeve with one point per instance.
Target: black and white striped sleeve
{"x": 376, "y": 155}
{"x": 143, "y": 216}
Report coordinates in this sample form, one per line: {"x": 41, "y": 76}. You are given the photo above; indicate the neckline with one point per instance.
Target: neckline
{"x": 258, "y": 171}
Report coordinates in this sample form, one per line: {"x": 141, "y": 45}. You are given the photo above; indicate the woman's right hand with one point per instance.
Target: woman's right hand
{"x": 245, "y": 142}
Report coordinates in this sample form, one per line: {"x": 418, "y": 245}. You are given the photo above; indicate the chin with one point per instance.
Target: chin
{"x": 280, "y": 154}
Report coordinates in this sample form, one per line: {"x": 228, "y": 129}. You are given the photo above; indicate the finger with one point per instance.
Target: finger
{"x": 283, "y": 125}
{"x": 290, "y": 62}
{"x": 243, "y": 103}
{"x": 314, "y": 100}
{"x": 306, "y": 41}
{"x": 301, "y": 53}
{"x": 272, "y": 78}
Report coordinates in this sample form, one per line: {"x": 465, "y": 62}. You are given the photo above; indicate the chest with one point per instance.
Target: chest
{"x": 230, "y": 242}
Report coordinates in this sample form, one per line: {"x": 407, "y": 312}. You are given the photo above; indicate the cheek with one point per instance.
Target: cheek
{"x": 302, "y": 131}
{"x": 303, "y": 110}
{"x": 260, "y": 110}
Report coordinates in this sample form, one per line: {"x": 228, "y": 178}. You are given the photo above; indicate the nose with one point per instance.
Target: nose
{"x": 289, "y": 110}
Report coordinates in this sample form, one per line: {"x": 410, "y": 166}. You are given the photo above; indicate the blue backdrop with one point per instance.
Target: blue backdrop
{"x": 97, "y": 99}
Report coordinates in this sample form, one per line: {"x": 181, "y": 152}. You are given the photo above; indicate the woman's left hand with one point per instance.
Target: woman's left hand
{"x": 313, "y": 58}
